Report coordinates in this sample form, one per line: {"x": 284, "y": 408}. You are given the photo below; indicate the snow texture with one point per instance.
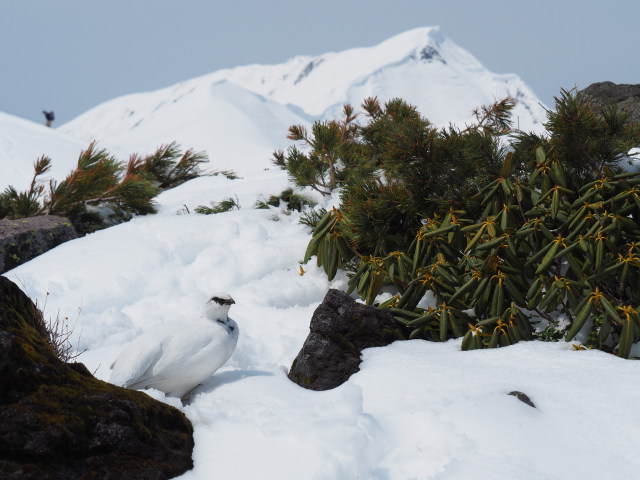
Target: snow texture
{"x": 22, "y": 142}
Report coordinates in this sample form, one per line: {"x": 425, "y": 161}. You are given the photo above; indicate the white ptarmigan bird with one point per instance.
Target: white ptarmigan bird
{"x": 176, "y": 358}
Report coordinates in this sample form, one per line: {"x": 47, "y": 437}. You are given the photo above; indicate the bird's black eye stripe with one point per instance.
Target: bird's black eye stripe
{"x": 222, "y": 301}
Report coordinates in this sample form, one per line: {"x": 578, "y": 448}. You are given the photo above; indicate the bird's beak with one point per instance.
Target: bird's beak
{"x": 231, "y": 301}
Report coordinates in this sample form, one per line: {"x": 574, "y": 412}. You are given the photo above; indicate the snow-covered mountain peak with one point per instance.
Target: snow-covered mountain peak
{"x": 421, "y": 65}
{"x": 419, "y": 44}
{"x": 239, "y": 115}
{"x": 318, "y": 83}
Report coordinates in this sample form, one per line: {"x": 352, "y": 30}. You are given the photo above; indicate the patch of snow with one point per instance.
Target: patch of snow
{"x": 22, "y": 142}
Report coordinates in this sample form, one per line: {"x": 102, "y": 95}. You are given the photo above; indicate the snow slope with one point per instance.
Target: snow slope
{"x": 22, "y": 142}
{"x": 416, "y": 410}
{"x": 240, "y": 115}
{"x": 239, "y": 129}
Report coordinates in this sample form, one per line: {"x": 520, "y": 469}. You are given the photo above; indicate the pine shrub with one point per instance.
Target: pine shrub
{"x": 224, "y": 205}
{"x": 291, "y": 200}
{"x": 539, "y": 227}
{"x": 101, "y": 190}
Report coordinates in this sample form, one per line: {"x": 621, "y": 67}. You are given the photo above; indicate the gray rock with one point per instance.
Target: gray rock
{"x": 340, "y": 329}
{"x": 59, "y": 422}
{"x": 624, "y": 96}
{"x": 523, "y": 397}
{"x": 26, "y": 238}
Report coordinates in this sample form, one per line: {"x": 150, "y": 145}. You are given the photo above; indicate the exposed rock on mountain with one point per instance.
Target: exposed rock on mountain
{"x": 624, "y": 96}
{"x": 26, "y": 238}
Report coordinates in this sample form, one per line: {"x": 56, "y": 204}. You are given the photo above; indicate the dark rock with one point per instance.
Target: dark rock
{"x": 523, "y": 397}
{"x": 58, "y": 422}
{"x": 340, "y": 329}
{"x": 623, "y": 96}
{"x": 431, "y": 54}
{"x": 26, "y": 238}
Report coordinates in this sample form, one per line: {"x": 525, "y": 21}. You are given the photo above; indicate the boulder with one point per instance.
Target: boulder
{"x": 340, "y": 329}
{"x": 624, "y": 96}
{"x": 26, "y": 238}
{"x": 59, "y": 422}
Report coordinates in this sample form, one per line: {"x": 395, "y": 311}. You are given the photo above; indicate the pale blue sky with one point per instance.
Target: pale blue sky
{"x": 70, "y": 55}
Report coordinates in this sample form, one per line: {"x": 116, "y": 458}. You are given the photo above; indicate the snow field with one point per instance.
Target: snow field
{"x": 416, "y": 410}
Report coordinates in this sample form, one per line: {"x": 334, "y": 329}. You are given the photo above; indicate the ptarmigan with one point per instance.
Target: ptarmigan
{"x": 176, "y": 358}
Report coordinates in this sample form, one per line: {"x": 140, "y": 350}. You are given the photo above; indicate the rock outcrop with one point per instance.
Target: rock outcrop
{"x": 59, "y": 422}
{"x": 26, "y": 238}
{"x": 624, "y": 96}
{"x": 340, "y": 329}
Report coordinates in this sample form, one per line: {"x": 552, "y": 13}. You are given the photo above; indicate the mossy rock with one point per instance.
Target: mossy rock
{"x": 22, "y": 240}
{"x": 59, "y": 422}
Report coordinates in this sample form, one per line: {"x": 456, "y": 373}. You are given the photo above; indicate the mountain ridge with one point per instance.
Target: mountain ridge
{"x": 240, "y": 115}
{"x": 420, "y": 47}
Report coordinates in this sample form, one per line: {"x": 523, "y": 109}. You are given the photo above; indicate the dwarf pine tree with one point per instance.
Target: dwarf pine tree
{"x": 397, "y": 168}
{"x": 167, "y": 167}
{"x": 327, "y": 156}
{"x": 101, "y": 190}
{"x": 585, "y": 138}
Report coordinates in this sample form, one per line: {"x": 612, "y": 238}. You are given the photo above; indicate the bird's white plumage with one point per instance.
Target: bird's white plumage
{"x": 176, "y": 358}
